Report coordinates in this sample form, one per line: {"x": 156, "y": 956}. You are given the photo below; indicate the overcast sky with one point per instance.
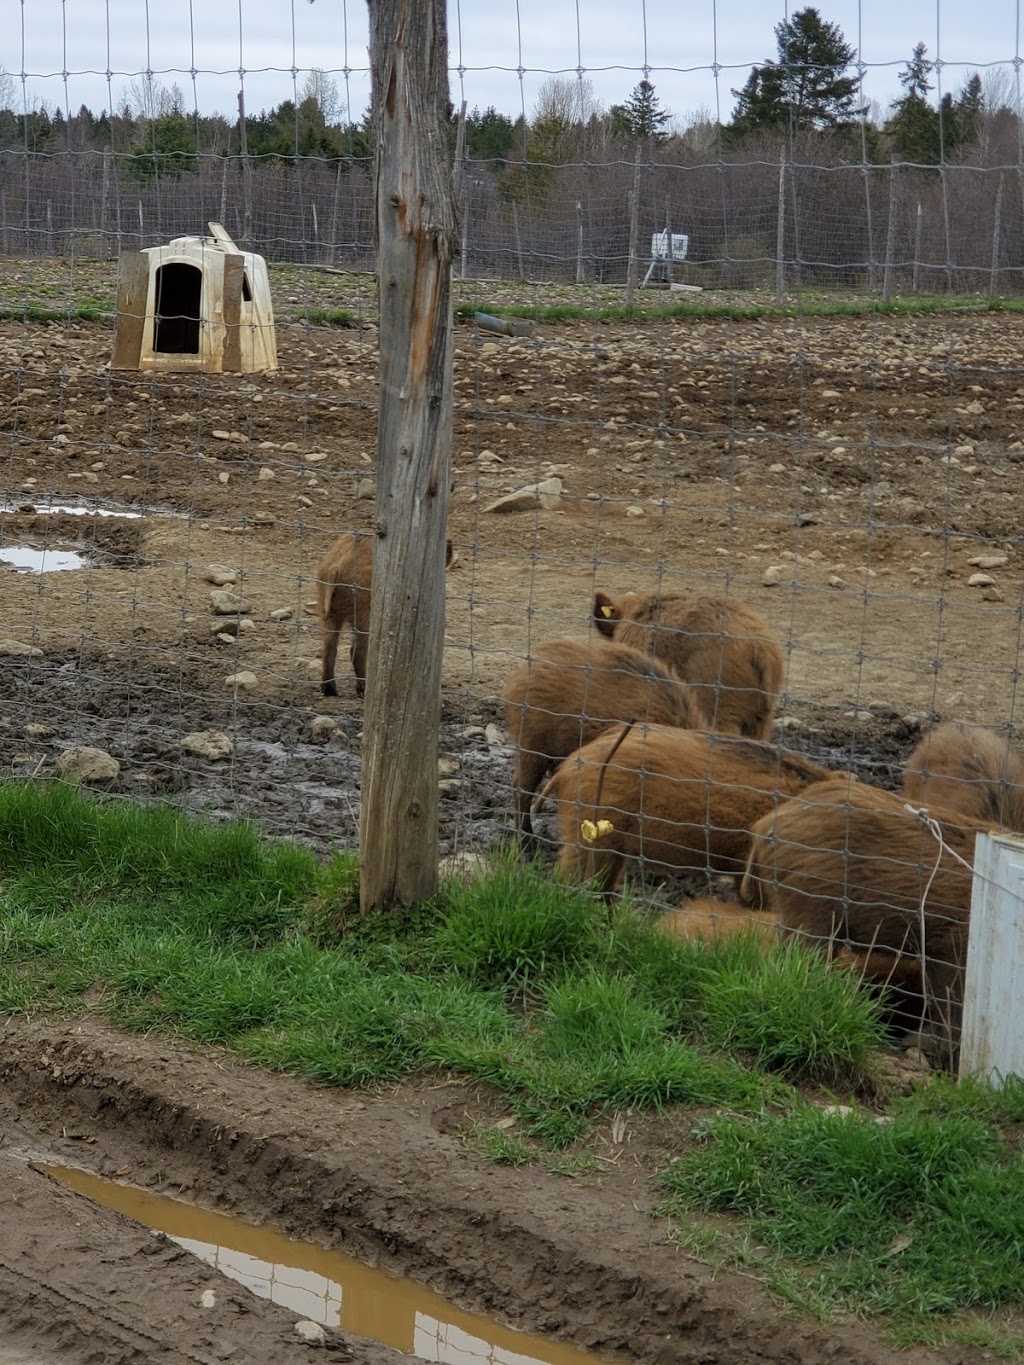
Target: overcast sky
{"x": 64, "y": 48}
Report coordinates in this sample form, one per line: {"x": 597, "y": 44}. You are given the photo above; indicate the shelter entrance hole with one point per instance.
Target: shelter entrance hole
{"x": 179, "y": 288}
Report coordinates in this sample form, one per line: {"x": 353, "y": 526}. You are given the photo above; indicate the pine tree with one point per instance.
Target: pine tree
{"x": 805, "y": 87}
{"x": 923, "y": 134}
{"x": 914, "y": 126}
{"x": 640, "y": 117}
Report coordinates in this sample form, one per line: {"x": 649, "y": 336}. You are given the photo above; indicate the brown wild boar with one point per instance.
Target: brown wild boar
{"x": 344, "y": 579}
{"x": 569, "y": 691}
{"x": 712, "y": 920}
{"x": 716, "y": 644}
{"x": 849, "y": 865}
{"x": 969, "y": 769}
{"x": 680, "y": 800}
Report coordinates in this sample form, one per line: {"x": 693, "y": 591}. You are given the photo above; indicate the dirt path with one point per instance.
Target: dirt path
{"x": 383, "y": 1177}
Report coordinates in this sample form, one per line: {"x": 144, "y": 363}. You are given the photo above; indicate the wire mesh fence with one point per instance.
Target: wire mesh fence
{"x": 815, "y": 416}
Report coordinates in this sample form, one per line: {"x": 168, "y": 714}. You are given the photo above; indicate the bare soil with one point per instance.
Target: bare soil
{"x": 384, "y": 1178}
{"x": 867, "y": 460}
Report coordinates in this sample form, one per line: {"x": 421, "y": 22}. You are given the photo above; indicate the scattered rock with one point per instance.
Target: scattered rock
{"x": 988, "y": 561}
{"x": 211, "y": 744}
{"x": 835, "y": 581}
{"x": 282, "y": 613}
{"x": 207, "y": 1299}
{"x": 635, "y": 511}
{"x": 772, "y": 576}
{"x": 220, "y": 576}
{"x": 366, "y": 488}
{"x": 314, "y": 457}
{"x": 991, "y": 594}
{"x": 227, "y": 603}
{"x": 244, "y": 680}
{"x": 310, "y": 1332}
{"x": 955, "y": 699}
{"x": 265, "y": 474}
{"x": 323, "y": 727}
{"x": 87, "y": 764}
{"x": 225, "y": 638}
{"x": 35, "y": 730}
{"x": 494, "y": 735}
{"x": 546, "y": 494}
{"x": 464, "y": 866}
{"x": 980, "y": 580}
{"x": 17, "y": 648}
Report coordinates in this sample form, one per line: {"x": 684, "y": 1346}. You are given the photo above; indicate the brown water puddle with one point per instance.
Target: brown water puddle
{"x": 327, "y": 1286}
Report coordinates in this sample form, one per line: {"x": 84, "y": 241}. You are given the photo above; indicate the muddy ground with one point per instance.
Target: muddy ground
{"x": 866, "y": 460}
{"x": 384, "y": 1177}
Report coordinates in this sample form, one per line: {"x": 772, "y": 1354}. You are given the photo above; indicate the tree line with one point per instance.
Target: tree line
{"x": 934, "y": 177}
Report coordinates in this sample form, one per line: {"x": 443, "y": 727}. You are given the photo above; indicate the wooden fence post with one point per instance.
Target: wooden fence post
{"x": 416, "y": 240}
{"x": 889, "y": 272}
{"x": 780, "y": 233}
{"x": 632, "y": 262}
{"x": 992, "y": 1044}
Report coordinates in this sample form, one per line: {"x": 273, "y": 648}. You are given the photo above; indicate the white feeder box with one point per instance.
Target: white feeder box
{"x": 197, "y": 303}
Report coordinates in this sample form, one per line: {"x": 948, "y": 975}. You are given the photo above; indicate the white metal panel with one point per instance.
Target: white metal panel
{"x": 992, "y": 1045}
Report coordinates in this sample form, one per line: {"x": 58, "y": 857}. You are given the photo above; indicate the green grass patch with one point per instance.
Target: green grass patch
{"x": 571, "y": 1009}
{"x": 713, "y": 309}
{"x": 327, "y": 317}
{"x": 911, "y": 1217}
{"x": 37, "y": 312}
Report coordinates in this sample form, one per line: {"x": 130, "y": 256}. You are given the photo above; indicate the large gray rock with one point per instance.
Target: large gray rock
{"x": 227, "y": 603}
{"x": 212, "y": 744}
{"x": 547, "y": 494}
{"x": 87, "y": 764}
{"x": 17, "y": 648}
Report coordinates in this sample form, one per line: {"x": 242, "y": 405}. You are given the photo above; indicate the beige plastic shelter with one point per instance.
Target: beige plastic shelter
{"x": 197, "y": 303}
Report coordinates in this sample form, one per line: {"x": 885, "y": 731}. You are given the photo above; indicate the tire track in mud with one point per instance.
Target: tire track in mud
{"x": 374, "y": 1176}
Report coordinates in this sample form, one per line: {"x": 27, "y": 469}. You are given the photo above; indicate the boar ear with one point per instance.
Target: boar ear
{"x": 605, "y": 613}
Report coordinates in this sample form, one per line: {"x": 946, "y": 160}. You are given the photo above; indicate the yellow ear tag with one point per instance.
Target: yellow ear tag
{"x": 606, "y": 612}
{"x": 590, "y": 833}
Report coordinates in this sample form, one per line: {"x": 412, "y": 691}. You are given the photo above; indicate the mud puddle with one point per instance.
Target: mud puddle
{"x": 327, "y": 1287}
{"x": 29, "y": 559}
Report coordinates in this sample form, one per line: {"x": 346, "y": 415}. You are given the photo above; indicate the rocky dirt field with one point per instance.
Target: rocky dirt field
{"x": 840, "y": 474}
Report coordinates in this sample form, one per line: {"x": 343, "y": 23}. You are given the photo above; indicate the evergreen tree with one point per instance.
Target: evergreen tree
{"x": 913, "y": 128}
{"x": 969, "y": 112}
{"x": 166, "y": 149}
{"x": 923, "y": 134}
{"x": 489, "y": 136}
{"x": 805, "y": 87}
{"x": 640, "y": 117}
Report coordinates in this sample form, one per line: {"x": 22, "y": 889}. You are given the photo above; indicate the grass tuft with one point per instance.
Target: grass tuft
{"x": 910, "y": 1217}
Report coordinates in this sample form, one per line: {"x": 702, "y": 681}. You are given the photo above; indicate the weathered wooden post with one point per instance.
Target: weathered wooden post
{"x": 780, "y": 233}
{"x": 416, "y": 239}
{"x": 888, "y": 274}
{"x": 993, "y": 279}
{"x": 632, "y": 263}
